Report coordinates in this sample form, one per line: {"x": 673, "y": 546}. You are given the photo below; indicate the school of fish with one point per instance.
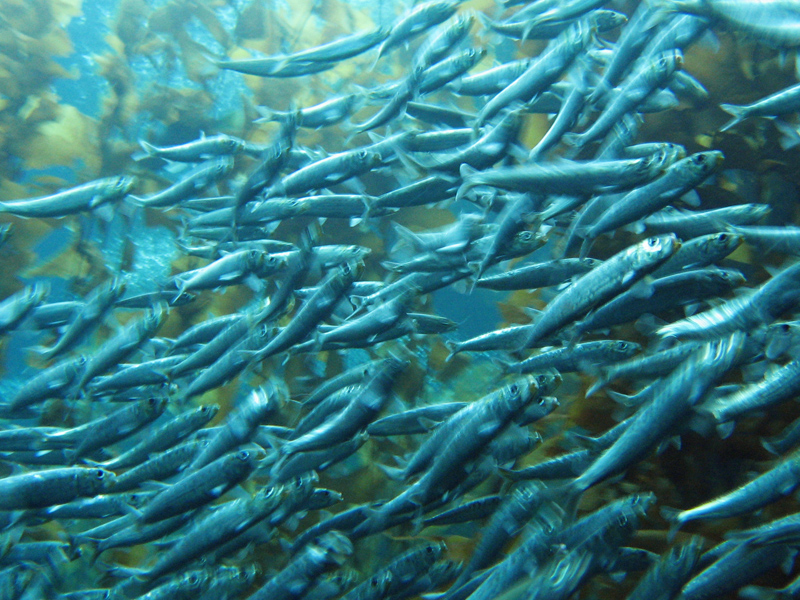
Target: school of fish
{"x": 626, "y": 433}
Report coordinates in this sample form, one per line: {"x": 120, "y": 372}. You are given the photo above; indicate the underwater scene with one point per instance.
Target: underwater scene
{"x": 459, "y": 300}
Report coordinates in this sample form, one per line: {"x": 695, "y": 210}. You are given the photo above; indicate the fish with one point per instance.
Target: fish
{"x": 50, "y": 487}
{"x": 602, "y": 283}
{"x": 196, "y": 150}
{"x": 774, "y": 22}
{"x": 762, "y": 490}
{"x": 87, "y": 196}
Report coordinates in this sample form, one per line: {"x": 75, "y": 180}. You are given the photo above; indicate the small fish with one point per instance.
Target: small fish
{"x": 164, "y": 437}
{"x": 421, "y": 18}
{"x": 602, "y": 283}
{"x": 324, "y": 114}
{"x": 541, "y": 72}
{"x": 539, "y": 275}
{"x": 768, "y": 487}
{"x": 211, "y": 530}
{"x": 772, "y": 22}
{"x": 359, "y": 413}
{"x": 196, "y": 150}
{"x": 328, "y": 550}
{"x": 121, "y": 346}
{"x": 192, "y": 183}
{"x": 106, "y": 430}
{"x": 16, "y": 307}
{"x": 239, "y": 426}
{"x": 586, "y": 356}
{"x": 415, "y": 420}
{"x": 762, "y": 306}
{"x": 326, "y": 172}
{"x": 691, "y": 224}
{"x": 441, "y": 41}
{"x": 198, "y": 488}
{"x": 40, "y": 489}
{"x": 673, "y": 401}
{"x": 74, "y": 200}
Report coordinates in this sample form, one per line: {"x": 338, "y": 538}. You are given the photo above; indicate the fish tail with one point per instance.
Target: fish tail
{"x": 148, "y": 151}
{"x": 672, "y": 516}
{"x": 736, "y": 111}
{"x": 454, "y": 349}
{"x": 790, "y": 136}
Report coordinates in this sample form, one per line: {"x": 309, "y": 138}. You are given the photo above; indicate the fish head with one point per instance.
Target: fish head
{"x": 546, "y": 383}
{"x": 606, "y": 20}
{"x": 323, "y": 498}
{"x": 122, "y": 185}
{"x": 719, "y": 243}
{"x": 230, "y": 145}
{"x": 153, "y": 406}
{"x": 625, "y": 349}
{"x": 208, "y": 411}
{"x": 729, "y": 277}
{"x": 526, "y": 242}
{"x": 653, "y": 251}
{"x": 92, "y": 482}
{"x": 705, "y": 163}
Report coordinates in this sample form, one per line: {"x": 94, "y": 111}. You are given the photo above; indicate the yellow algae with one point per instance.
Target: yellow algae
{"x": 65, "y": 10}
{"x": 533, "y": 129}
{"x": 67, "y": 140}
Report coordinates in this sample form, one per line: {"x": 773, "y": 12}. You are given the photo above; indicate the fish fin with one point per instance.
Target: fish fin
{"x": 121, "y": 572}
{"x": 692, "y": 198}
{"x": 596, "y": 386}
{"x": 642, "y": 289}
{"x": 647, "y": 324}
{"x": 623, "y": 399}
{"x": 724, "y": 430}
{"x": 771, "y": 446}
{"x": 586, "y": 246}
{"x": 790, "y": 136}
{"x": 757, "y": 592}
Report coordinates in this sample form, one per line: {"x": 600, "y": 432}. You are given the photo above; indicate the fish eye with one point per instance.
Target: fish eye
{"x": 540, "y": 401}
{"x": 346, "y": 269}
{"x": 722, "y": 237}
{"x": 622, "y": 520}
{"x": 513, "y": 388}
{"x": 243, "y": 455}
{"x": 362, "y": 154}
{"x": 429, "y": 549}
{"x": 652, "y": 242}
{"x": 700, "y": 158}
{"x": 100, "y": 474}
{"x": 374, "y": 582}
{"x": 152, "y": 402}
